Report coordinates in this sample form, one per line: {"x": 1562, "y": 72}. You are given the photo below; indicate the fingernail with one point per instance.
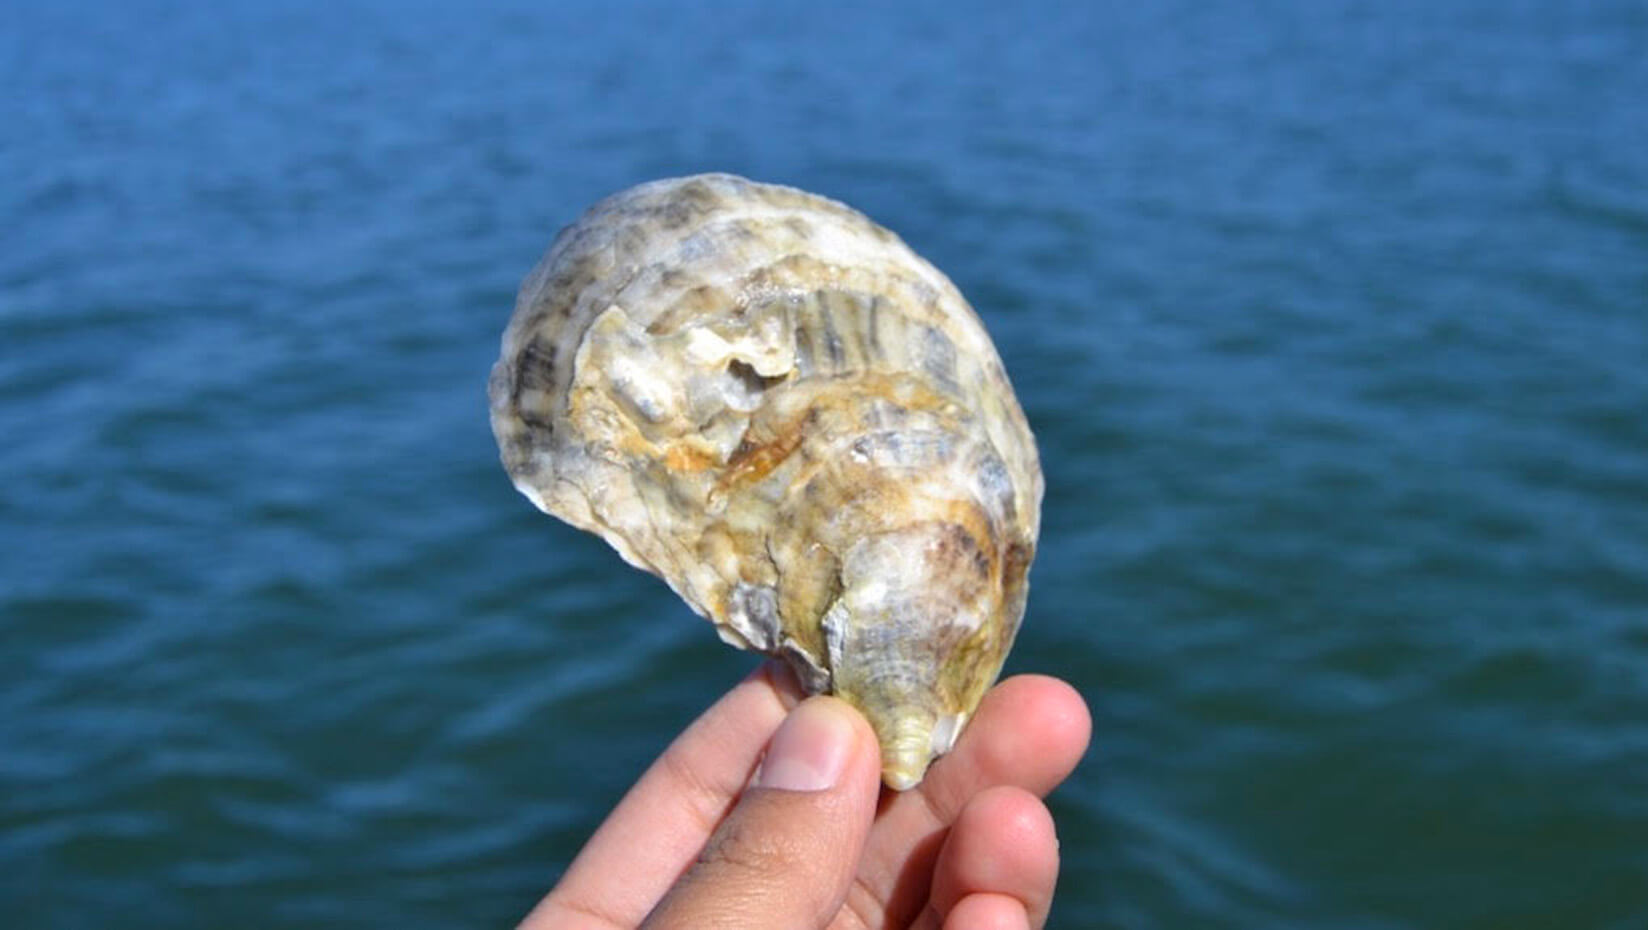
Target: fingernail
{"x": 809, "y": 751}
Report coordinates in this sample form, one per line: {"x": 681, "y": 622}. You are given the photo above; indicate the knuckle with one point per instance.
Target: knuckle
{"x": 743, "y": 847}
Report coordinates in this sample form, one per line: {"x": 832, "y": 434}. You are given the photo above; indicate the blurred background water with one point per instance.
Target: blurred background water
{"x": 1331, "y": 318}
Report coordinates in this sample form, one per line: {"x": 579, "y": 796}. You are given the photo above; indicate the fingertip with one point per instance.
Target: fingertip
{"x": 865, "y": 759}
{"x": 987, "y": 911}
{"x": 863, "y": 733}
{"x": 1064, "y": 716}
{"x": 1004, "y": 842}
{"x": 1031, "y": 731}
{"x": 1059, "y": 709}
{"x": 823, "y": 743}
{"x": 1016, "y": 820}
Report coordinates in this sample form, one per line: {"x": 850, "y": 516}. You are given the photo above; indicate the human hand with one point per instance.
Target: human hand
{"x": 726, "y": 831}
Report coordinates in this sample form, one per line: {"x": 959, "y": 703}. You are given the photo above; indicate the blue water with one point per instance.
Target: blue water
{"x": 1331, "y": 319}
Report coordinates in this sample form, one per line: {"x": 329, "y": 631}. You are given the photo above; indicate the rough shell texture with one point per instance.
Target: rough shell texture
{"x": 771, "y": 402}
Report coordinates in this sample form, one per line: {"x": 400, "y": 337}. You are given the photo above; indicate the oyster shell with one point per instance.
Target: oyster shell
{"x": 772, "y": 403}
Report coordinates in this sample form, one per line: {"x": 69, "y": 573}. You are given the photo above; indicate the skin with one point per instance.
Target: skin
{"x": 703, "y": 839}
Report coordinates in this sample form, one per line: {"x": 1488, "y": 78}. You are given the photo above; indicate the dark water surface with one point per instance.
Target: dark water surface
{"x": 1332, "y": 319}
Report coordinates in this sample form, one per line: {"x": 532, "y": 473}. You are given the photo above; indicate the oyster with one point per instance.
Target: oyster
{"x": 771, "y": 402}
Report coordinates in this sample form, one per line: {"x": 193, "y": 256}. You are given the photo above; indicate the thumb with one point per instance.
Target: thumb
{"x": 786, "y": 854}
